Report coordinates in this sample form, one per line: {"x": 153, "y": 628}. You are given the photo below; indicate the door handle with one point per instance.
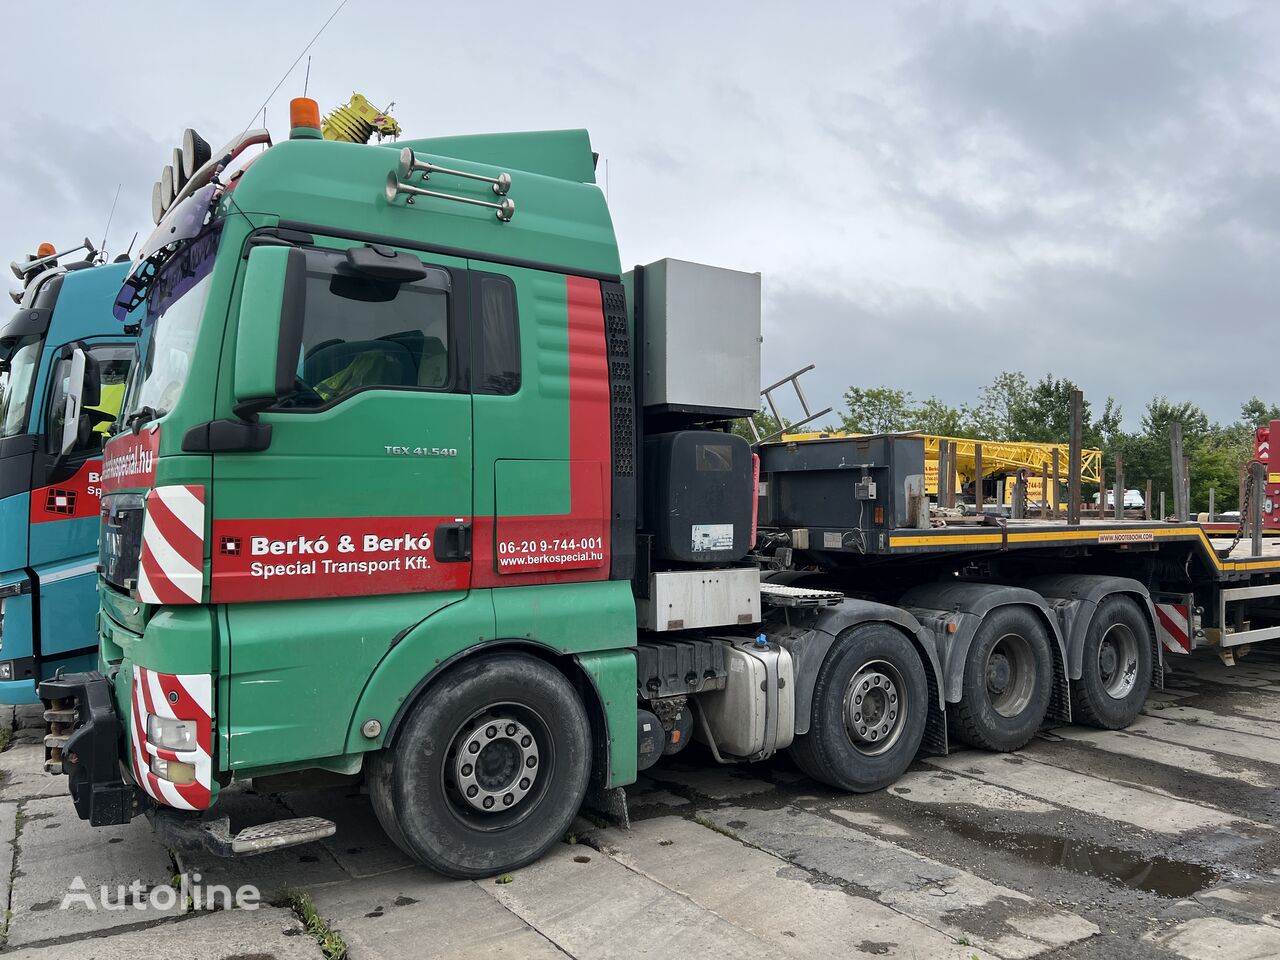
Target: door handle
{"x": 453, "y": 542}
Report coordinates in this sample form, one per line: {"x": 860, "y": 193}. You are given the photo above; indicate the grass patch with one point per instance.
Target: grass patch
{"x": 331, "y": 943}
{"x": 6, "y": 739}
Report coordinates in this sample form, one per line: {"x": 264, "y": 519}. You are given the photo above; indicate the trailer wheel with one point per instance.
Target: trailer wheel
{"x": 870, "y": 704}
{"x": 1116, "y": 671}
{"x": 1008, "y": 679}
{"x": 488, "y": 770}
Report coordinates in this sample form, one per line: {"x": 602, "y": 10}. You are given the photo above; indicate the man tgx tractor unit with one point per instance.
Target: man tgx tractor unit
{"x": 51, "y": 462}
{"x": 416, "y": 487}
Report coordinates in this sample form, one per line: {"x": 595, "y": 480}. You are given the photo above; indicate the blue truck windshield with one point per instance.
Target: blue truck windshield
{"x": 16, "y": 382}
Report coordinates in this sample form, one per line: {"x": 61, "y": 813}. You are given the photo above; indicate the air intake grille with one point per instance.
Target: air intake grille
{"x": 622, "y": 403}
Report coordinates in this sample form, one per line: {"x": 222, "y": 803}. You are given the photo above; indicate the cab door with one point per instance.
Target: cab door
{"x": 354, "y": 523}
{"x": 65, "y": 500}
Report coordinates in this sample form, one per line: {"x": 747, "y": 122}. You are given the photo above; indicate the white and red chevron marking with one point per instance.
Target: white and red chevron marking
{"x": 185, "y": 696}
{"x": 1173, "y": 624}
{"x": 172, "y": 563}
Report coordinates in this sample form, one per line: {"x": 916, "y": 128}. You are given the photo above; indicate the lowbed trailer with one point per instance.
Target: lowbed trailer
{"x": 418, "y": 490}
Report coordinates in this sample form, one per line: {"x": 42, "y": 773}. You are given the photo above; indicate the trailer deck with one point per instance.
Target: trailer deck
{"x": 1124, "y": 535}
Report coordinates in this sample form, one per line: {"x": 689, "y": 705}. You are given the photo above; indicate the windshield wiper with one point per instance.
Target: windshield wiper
{"x": 139, "y": 418}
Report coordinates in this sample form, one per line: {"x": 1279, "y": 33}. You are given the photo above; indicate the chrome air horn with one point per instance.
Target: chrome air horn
{"x": 505, "y": 210}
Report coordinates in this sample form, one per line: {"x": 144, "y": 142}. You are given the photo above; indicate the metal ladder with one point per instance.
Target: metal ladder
{"x": 784, "y": 427}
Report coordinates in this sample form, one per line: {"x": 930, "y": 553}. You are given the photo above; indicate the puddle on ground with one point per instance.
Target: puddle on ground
{"x": 1166, "y": 878}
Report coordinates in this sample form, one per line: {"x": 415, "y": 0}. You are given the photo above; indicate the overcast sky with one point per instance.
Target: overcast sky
{"x": 933, "y": 192}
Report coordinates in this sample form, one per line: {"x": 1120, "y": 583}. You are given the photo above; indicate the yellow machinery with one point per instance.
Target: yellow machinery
{"x": 357, "y": 120}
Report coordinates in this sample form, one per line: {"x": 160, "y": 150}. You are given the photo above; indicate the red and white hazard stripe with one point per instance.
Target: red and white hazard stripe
{"x": 1173, "y": 624}
{"x": 172, "y": 563}
{"x": 184, "y": 696}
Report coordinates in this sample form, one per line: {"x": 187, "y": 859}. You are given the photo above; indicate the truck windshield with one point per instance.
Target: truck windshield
{"x": 175, "y": 307}
{"x": 16, "y": 382}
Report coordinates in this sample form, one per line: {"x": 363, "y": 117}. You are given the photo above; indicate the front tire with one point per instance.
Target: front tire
{"x": 1115, "y": 675}
{"x": 1008, "y": 680}
{"x": 870, "y": 704}
{"x": 488, "y": 770}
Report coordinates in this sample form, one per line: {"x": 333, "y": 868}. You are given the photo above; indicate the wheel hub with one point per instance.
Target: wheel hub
{"x": 496, "y": 764}
{"x": 872, "y": 708}
{"x": 1118, "y": 661}
{"x": 998, "y": 674}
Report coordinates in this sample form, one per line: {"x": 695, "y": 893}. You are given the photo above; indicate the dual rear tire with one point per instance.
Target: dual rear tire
{"x": 1007, "y": 682}
{"x": 1009, "y": 674}
{"x": 1115, "y": 675}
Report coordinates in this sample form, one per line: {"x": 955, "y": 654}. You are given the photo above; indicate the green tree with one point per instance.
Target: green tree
{"x": 1000, "y": 405}
{"x": 1255, "y": 413}
{"x": 876, "y": 410}
{"x": 1045, "y": 416}
{"x": 935, "y": 417}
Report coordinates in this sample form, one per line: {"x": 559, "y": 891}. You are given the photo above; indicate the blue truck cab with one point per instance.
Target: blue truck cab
{"x": 50, "y": 483}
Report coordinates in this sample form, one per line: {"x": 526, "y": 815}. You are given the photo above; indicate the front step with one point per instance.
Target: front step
{"x": 280, "y": 833}
{"x": 215, "y": 835}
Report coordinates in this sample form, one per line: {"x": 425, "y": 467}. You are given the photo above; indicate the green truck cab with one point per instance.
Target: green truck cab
{"x": 367, "y": 448}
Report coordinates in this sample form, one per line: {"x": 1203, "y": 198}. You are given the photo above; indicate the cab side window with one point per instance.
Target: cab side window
{"x": 113, "y": 362}
{"x": 495, "y": 343}
{"x": 361, "y": 332}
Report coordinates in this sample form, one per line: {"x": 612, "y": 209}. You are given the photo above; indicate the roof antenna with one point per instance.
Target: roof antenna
{"x": 102, "y": 247}
{"x": 280, "y": 82}
{"x": 307, "y": 79}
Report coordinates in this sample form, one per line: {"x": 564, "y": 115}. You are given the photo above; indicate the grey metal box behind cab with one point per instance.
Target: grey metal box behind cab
{"x": 701, "y": 329}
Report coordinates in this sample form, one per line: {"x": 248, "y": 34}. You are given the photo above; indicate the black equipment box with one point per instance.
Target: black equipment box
{"x": 698, "y": 495}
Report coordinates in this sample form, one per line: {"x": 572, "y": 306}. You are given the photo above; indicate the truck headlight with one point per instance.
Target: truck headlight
{"x": 175, "y": 771}
{"x": 171, "y": 734}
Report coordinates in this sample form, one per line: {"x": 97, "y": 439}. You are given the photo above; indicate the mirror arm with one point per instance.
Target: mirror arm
{"x": 248, "y": 410}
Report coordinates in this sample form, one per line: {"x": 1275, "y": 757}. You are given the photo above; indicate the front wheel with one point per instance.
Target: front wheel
{"x": 870, "y": 704}
{"x": 488, "y": 770}
{"x": 1115, "y": 674}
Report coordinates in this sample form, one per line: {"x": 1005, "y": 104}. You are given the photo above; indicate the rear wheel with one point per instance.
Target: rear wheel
{"x": 1115, "y": 675}
{"x": 488, "y": 770}
{"x": 1008, "y": 679}
{"x": 870, "y": 704}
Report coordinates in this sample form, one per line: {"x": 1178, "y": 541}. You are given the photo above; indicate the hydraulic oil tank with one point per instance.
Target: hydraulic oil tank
{"x": 755, "y": 714}
{"x": 698, "y": 495}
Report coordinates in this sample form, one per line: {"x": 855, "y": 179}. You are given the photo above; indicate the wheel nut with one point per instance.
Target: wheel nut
{"x": 466, "y": 769}
{"x": 531, "y": 762}
{"x": 506, "y": 801}
{"x": 488, "y": 803}
{"x": 473, "y": 747}
{"x": 526, "y": 740}
{"x": 524, "y": 783}
{"x": 511, "y": 729}
{"x": 491, "y": 732}
{"x": 472, "y": 791}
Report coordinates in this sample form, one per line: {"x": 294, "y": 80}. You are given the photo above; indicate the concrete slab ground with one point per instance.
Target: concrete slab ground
{"x": 1156, "y": 843}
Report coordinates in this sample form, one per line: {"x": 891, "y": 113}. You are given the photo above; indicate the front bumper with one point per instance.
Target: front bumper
{"x": 86, "y": 738}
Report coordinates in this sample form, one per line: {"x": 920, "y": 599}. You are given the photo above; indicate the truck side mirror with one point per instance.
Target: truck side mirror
{"x": 269, "y": 334}
{"x": 84, "y": 389}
